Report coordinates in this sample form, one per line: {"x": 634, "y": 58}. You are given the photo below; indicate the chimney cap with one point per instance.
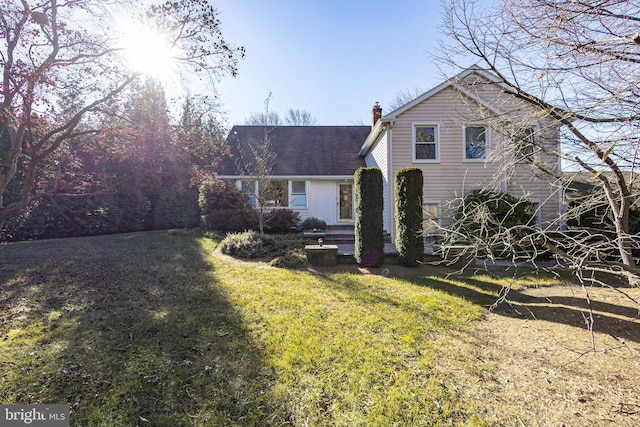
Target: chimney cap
{"x": 376, "y": 113}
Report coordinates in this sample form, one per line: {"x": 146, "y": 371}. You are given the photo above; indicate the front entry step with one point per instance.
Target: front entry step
{"x": 344, "y": 234}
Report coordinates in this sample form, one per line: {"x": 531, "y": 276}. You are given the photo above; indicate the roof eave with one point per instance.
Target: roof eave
{"x": 373, "y": 135}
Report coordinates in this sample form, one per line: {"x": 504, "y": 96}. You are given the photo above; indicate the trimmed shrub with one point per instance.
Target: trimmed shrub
{"x": 224, "y": 207}
{"x": 369, "y": 232}
{"x": 408, "y": 216}
{"x": 249, "y": 244}
{"x": 282, "y": 221}
{"x": 313, "y": 224}
{"x": 295, "y": 258}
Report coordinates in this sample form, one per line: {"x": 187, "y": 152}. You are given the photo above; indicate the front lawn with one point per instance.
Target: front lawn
{"x": 158, "y": 329}
{"x": 152, "y": 329}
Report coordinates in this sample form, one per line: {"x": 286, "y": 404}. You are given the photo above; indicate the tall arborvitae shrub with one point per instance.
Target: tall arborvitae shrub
{"x": 408, "y": 215}
{"x": 369, "y": 233}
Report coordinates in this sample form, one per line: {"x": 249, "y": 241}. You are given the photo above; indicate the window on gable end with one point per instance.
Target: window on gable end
{"x": 524, "y": 144}
{"x": 425, "y": 143}
{"x": 476, "y": 142}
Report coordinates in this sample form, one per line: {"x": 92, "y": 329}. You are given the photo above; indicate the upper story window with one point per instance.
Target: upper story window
{"x": 524, "y": 144}
{"x": 476, "y": 142}
{"x": 425, "y": 143}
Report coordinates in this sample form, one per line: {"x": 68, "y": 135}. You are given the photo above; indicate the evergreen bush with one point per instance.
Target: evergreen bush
{"x": 496, "y": 222}
{"x": 251, "y": 244}
{"x": 313, "y": 224}
{"x": 369, "y": 232}
{"x": 224, "y": 207}
{"x": 408, "y": 216}
{"x": 280, "y": 221}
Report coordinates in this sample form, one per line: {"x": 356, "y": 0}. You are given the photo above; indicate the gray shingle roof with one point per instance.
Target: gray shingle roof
{"x": 301, "y": 150}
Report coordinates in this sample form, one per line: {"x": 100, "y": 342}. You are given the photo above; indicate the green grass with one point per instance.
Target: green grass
{"x": 152, "y": 329}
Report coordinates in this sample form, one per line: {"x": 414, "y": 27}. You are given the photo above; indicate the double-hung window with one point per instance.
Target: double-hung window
{"x": 298, "y": 194}
{"x": 476, "y": 142}
{"x": 248, "y": 188}
{"x": 430, "y": 218}
{"x": 524, "y": 144}
{"x": 425, "y": 143}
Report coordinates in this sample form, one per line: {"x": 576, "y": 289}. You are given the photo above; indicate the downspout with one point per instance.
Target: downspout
{"x": 505, "y": 166}
{"x": 390, "y": 188}
{"x": 560, "y": 185}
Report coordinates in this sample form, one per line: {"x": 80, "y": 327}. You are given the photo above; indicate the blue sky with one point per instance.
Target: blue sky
{"x": 332, "y": 58}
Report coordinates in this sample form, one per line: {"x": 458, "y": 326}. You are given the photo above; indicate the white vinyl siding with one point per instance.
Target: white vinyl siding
{"x": 452, "y": 177}
{"x": 378, "y": 157}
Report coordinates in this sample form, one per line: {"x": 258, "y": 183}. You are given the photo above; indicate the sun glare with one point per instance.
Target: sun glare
{"x": 148, "y": 52}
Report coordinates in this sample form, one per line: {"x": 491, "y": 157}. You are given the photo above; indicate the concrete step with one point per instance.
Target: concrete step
{"x": 344, "y": 234}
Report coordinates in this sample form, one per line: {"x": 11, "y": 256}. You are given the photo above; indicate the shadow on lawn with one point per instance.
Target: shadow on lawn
{"x": 621, "y": 320}
{"x": 142, "y": 337}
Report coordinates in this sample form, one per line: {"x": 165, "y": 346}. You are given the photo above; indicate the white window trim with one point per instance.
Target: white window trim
{"x": 306, "y": 194}
{"x": 487, "y": 143}
{"x": 436, "y": 127}
{"x": 256, "y": 186}
{"x": 536, "y": 149}
{"x": 438, "y": 203}
{"x": 537, "y": 213}
{"x": 253, "y": 197}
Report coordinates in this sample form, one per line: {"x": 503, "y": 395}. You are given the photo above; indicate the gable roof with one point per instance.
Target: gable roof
{"x": 452, "y": 82}
{"x": 300, "y": 150}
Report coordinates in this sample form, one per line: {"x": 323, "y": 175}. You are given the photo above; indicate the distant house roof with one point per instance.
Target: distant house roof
{"x": 300, "y": 150}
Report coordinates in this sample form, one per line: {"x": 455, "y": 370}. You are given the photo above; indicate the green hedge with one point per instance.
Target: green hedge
{"x": 369, "y": 233}
{"x": 408, "y": 216}
{"x": 224, "y": 207}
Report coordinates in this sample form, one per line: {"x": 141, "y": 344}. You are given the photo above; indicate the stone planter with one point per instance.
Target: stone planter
{"x": 322, "y": 255}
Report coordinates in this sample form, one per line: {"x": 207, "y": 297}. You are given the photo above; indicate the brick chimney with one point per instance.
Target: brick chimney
{"x": 376, "y": 113}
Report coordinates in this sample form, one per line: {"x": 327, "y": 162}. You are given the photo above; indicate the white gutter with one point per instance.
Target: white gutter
{"x": 373, "y": 136}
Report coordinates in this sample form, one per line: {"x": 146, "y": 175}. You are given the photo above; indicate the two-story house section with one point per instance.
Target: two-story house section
{"x": 465, "y": 134}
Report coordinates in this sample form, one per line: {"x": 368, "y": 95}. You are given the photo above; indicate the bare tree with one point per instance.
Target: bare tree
{"x": 272, "y": 118}
{"x": 404, "y": 97}
{"x": 62, "y": 67}
{"x": 576, "y": 67}
{"x": 256, "y": 161}
{"x": 299, "y": 118}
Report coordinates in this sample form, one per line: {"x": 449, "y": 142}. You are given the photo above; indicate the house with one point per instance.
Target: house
{"x": 465, "y": 134}
{"x": 312, "y": 171}
{"x": 462, "y": 134}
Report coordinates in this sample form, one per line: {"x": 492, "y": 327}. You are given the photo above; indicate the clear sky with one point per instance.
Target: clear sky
{"x": 333, "y": 58}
